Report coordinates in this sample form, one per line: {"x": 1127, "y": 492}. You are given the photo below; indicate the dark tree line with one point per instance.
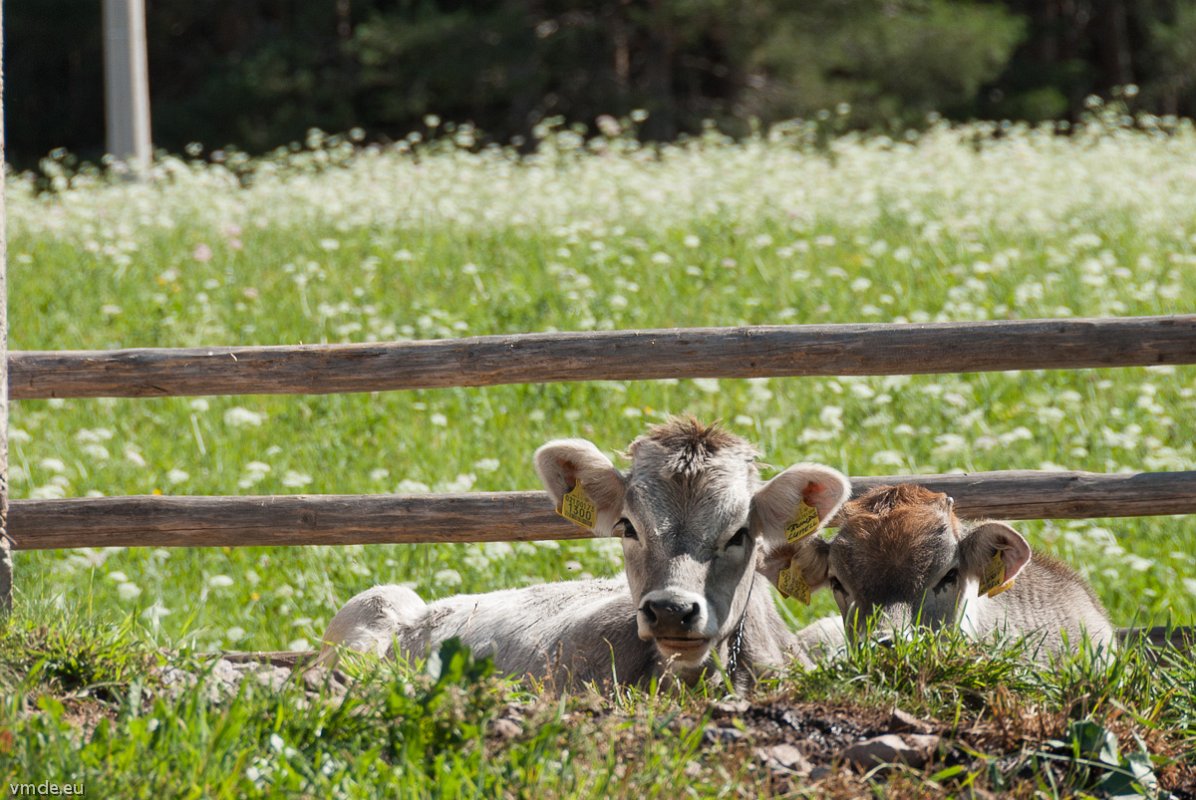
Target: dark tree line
{"x": 259, "y": 73}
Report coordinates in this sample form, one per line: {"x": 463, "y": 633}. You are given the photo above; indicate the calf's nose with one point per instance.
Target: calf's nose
{"x": 670, "y": 614}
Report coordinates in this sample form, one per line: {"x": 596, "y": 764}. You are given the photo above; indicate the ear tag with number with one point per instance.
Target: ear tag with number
{"x": 791, "y": 583}
{"x": 993, "y": 582}
{"x": 804, "y": 523}
{"x": 577, "y": 507}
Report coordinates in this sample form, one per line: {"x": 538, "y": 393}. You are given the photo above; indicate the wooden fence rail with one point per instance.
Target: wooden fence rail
{"x": 160, "y": 521}
{"x": 770, "y": 351}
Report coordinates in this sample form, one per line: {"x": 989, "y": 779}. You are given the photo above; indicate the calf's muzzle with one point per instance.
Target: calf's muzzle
{"x": 673, "y": 615}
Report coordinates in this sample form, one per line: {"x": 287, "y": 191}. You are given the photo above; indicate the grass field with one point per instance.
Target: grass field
{"x": 329, "y": 244}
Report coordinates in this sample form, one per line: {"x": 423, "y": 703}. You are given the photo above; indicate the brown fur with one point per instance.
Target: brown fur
{"x": 896, "y": 542}
{"x": 891, "y": 514}
{"x": 905, "y": 520}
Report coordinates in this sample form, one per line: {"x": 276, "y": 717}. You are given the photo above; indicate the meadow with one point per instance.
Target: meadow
{"x": 332, "y": 242}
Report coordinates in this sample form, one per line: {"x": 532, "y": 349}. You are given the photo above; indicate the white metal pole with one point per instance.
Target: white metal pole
{"x": 126, "y": 81}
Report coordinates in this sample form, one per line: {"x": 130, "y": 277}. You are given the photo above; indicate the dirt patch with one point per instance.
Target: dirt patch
{"x": 85, "y": 713}
{"x": 783, "y": 747}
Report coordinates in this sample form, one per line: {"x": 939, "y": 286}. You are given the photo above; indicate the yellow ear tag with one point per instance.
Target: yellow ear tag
{"x": 993, "y": 582}
{"x": 804, "y": 523}
{"x": 577, "y": 507}
{"x": 791, "y": 583}
{"x": 1006, "y": 585}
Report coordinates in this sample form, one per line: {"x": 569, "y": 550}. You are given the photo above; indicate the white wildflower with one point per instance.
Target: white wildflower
{"x": 238, "y": 417}
{"x": 294, "y": 479}
{"x": 95, "y": 452}
{"x": 831, "y": 417}
{"x": 462, "y": 483}
{"x": 447, "y": 578}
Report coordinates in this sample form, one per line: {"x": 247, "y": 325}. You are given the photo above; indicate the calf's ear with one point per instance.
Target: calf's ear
{"x": 796, "y": 503}
{"x": 810, "y": 557}
{"x": 566, "y": 464}
{"x": 989, "y": 548}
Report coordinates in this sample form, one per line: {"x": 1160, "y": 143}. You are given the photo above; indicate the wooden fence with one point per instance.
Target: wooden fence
{"x": 766, "y": 351}
{"x": 161, "y": 521}
{"x": 796, "y": 350}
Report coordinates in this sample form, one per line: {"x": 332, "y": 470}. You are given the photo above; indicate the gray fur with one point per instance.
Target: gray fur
{"x": 702, "y": 525}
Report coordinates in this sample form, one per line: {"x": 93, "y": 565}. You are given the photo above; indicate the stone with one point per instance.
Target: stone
{"x": 820, "y": 773}
{"x": 784, "y": 758}
{"x": 912, "y": 749}
{"x": 712, "y": 735}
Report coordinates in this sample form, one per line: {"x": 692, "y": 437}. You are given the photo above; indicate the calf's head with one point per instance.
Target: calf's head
{"x": 901, "y": 558}
{"x": 695, "y": 523}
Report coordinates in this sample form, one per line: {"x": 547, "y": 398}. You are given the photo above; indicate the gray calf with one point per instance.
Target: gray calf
{"x": 695, "y": 523}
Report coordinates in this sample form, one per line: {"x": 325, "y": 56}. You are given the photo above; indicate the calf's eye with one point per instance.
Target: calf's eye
{"x": 738, "y": 539}
{"x": 948, "y": 580}
{"x": 629, "y": 531}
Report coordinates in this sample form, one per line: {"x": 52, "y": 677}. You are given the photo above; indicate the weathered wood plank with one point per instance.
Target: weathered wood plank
{"x": 160, "y": 521}
{"x": 1030, "y": 494}
{"x": 777, "y": 351}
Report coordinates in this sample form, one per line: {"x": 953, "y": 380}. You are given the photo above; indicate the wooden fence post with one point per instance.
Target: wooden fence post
{"x": 5, "y": 550}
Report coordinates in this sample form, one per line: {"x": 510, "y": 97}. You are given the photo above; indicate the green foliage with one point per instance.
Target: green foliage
{"x": 256, "y": 75}
{"x": 893, "y": 63}
{"x": 1174, "y": 52}
{"x": 940, "y": 675}
{"x": 1095, "y": 762}
{"x": 100, "y": 661}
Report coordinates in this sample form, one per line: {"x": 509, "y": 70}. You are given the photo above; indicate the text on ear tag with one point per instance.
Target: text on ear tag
{"x": 804, "y": 523}
{"x": 791, "y": 583}
{"x": 993, "y": 582}
{"x": 577, "y": 507}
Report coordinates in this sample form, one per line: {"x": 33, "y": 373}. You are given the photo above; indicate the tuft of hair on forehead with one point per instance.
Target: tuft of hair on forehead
{"x": 690, "y": 447}
{"x": 890, "y": 515}
{"x": 884, "y": 499}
